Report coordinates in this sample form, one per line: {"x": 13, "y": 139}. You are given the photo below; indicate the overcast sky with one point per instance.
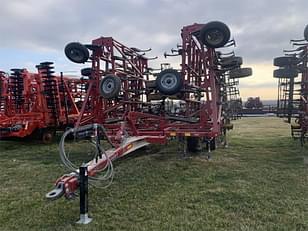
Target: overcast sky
{"x": 33, "y": 31}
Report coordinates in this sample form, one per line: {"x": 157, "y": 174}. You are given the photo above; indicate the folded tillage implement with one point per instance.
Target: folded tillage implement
{"x": 292, "y": 77}
{"x": 131, "y": 105}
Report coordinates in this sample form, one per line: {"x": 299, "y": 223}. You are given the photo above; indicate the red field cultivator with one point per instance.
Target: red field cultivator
{"x": 37, "y": 104}
{"x": 292, "y": 77}
{"x": 131, "y": 105}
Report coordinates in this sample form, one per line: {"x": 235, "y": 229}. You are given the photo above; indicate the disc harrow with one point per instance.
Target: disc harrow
{"x": 38, "y": 104}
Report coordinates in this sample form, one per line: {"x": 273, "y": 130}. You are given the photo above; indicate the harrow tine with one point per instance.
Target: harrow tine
{"x": 229, "y": 53}
{"x": 300, "y": 44}
{"x": 140, "y": 50}
{"x": 167, "y": 55}
{"x": 151, "y": 58}
{"x": 297, "y": 40}
{"x": 230, "y": 43}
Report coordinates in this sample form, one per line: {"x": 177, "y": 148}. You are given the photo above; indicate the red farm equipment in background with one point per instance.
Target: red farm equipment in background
{"x": 292, "y": 102}
{"x": 38, "y": 104}
{"x": 131, "y": 106}
{"x": 3, "y": 94}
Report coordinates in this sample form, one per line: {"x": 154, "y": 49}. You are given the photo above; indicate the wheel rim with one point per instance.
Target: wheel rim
{"x": 108, "y": 86}
{"x": 169, "y": 81}
{"x": 214, "y": 37}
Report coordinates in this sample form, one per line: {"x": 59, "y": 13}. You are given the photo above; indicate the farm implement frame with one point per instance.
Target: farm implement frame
{"x": 132, "y": 105}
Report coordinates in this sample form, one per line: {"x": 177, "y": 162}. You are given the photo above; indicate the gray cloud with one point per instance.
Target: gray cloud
{"x": 261, "y": 28}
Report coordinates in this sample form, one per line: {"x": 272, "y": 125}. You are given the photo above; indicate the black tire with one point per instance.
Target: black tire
{"x": 240, "y": 73}
{"x": 214, "y": 34}
{"x": 285, "y": 73}
{"x": 169, "y": 82}
{"x": 285, "y": 61}
{"x": 232, "y": 61}
{"x": 193, "y": 144}
{"x": 306, "y": 33}
{"x": 76, "y": 52}
{"x": 110, "y": 87}
{"x": 86, "y": 71}
{"x": 231, "y": 67}
{"x": 47, "y": 135}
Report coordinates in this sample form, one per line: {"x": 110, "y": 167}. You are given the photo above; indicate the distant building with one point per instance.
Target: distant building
{"x": 253, "y": 103}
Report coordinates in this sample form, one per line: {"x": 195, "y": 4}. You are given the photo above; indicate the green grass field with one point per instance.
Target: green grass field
{"x": 259, "y": 183}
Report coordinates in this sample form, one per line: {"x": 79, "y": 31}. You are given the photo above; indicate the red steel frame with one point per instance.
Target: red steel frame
{"x": 105, "y": 60}
{"x": 132, "y": 106}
